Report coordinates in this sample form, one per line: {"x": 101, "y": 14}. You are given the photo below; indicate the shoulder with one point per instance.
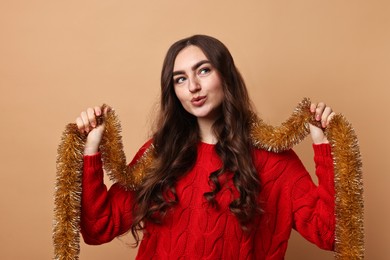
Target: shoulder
{"x": 146, "y": 145}
{"x": 273, "y": 165}
{"x": 262, "y": 156}
{"x": 142, "y": 151}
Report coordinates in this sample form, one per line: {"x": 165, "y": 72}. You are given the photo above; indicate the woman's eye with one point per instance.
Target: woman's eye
{"x": 179, "y": 80}
{"x": 204, "y": 71}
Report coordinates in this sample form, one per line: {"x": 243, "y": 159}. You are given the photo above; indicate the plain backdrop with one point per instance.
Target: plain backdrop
{"x": 59, "y": 57}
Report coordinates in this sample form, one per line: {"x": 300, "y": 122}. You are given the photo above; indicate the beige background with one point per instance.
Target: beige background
{"x": 58, "y": 57}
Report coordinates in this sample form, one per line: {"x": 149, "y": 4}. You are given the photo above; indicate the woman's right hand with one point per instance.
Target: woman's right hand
{"x": 87, "y": 123}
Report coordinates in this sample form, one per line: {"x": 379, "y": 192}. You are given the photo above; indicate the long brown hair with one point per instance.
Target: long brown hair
{"x": 177, "y": 135}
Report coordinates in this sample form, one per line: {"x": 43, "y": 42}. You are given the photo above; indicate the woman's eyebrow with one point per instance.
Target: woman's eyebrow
{"x": 194, "y": 67}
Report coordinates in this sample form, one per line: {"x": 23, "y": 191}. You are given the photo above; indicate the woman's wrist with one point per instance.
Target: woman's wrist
{"x": 320, "y": 141}
{"x": 90, "y": 150}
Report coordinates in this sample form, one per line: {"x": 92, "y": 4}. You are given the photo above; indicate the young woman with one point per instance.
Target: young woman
{"x": 209, "y": 193}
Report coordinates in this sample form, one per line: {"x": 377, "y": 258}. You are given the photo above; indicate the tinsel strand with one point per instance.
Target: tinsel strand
{"x": 111, "y": 148}
{"x": 349, "y": 205}
{"x": 289, "y": 133}
{"x": 67, "y": 197}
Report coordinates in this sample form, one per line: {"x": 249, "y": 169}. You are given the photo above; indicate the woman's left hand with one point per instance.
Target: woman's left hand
{"x": 323, "y": 114}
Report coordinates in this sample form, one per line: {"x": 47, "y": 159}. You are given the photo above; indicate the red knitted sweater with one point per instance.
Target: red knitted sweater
{"x": 195, "y": 230}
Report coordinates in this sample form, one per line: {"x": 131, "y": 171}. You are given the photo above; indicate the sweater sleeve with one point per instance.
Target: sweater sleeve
{"x": 105, "y": 213}
{"x": 313, "y": 206}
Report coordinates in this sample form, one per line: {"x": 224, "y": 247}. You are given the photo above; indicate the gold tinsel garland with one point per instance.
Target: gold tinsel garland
{"x": 345, "y": 152}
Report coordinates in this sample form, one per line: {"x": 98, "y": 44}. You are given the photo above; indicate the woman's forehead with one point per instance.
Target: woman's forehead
{"x": 188, "y": 57}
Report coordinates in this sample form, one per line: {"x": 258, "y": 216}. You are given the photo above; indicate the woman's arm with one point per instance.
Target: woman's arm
{"x": 313, "y": 206}
{"x": 105, "y": 214}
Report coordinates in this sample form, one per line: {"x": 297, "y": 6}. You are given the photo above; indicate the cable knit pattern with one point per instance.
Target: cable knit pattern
{"x": 195, "y": 230}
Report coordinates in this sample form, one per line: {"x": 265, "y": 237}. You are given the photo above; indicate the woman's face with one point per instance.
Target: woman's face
{"x": 197, "y": 84}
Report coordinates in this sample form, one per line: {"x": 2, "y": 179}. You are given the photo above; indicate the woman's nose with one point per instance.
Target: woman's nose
{"x": 194, "y": 85}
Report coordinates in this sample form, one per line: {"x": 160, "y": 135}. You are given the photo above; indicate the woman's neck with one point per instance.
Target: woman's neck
{"x": 206, "y": 131}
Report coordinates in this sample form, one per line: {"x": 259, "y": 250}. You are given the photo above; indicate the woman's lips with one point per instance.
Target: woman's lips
{"x": 198, "y": 101}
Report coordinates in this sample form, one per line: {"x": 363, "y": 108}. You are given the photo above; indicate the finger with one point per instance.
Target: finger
{"x": 325, "y": 114}
{"x": 313, "y": 107}
{"x": 91, "y": 117}
{"x": 98, "y": 111}
{"x": 106, "y": 110}
{"x": 80, "y": 124}
{"x": 84, "y": 118}
{"x": 319, "y": 110}
{"x": 330, "y": 118}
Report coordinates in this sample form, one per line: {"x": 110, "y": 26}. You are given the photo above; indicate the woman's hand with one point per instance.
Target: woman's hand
{"x": 87, "y": 123}
{"x": 323, "y": 114}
